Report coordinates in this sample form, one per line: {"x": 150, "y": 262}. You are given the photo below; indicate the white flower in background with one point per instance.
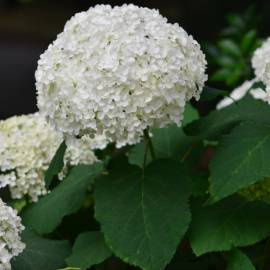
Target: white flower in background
{"x": 118, "y": 71}
{"x": 239, "y": 92}
{"x": 27, "y": 146}
{"x": 10, "y": 241}
{"x": 261, "y": 65}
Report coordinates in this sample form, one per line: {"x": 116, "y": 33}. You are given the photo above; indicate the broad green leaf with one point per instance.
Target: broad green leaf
{"x": 45, "y": 215}
{"x": 70, "y": 268}
{"x": 190, "y": 115}
{"x": 210, "y": 93}
{"x": 168, "y": 142}
{"x": 56, "y": 164}
{"x": 144, "y": 214}
{"x": 41, "y": 253}
{"x": 237, "y": 260}
{"x": 222, "y": 121}
{"x": 230, "y": 223}
{"x": 241, "y": 160}
{"x": 89, "y": 249}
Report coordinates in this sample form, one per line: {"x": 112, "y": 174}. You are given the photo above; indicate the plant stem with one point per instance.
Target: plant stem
{"x": 145, "y": 154}
{"x": 187, "y": 153}
{"x": 150, "y": 144}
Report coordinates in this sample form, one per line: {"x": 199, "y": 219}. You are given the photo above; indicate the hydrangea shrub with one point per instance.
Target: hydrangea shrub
{"x": 117, "y": 170}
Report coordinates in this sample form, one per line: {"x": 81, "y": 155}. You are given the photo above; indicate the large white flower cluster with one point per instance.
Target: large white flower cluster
{"x": 10, "y": 241}
{"x": 261, "y": 65}
{"x": 239, "y": 92}
{"x": 118, "y": 71}
{"x": 27, "y": 146}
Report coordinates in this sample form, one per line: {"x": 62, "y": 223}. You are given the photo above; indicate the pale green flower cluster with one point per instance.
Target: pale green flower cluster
{"x": 10, "y": 230}
{"x": 27, "y": 146}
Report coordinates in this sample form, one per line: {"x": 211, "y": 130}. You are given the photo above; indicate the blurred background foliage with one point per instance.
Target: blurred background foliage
{"x": 229, "y": 31}
{"x": 229, "y": 56}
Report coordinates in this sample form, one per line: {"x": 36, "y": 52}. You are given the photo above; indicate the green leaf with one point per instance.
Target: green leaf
{"x": 144, "y": 214}
{"x": 190, "y": 115}
{"x": 241, "y": 160}
{"x": 45, "y": 215}
{"x": 168, "y": 142}
{"x": 248, "y": 40}
{"x": 210, "y": 93}
{"x": 89, "y": 249}
{"x": 222, "y": 121}
{"x": 237, "y": 260}
{"x": 236, "y": 20}
{"x": 258, "y": 84}
{"x": 56, "y": 164}
{"x": 230, "y": 47}
{"x": 220, "y": 75}
{"x": 235, "y": 75}
{"x": 41, "y": 253}
{"x": 70, "y": 268}
{"x": 226, "y": 61}
{"x": 230, "y": 223}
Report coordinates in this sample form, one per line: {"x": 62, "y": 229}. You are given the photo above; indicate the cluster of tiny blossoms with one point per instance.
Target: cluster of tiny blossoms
{"x": 27, "y": 146}
{"x": 117, "y": 71}
{"x": 261, "y": 65}
{"x": 10, "y": 241}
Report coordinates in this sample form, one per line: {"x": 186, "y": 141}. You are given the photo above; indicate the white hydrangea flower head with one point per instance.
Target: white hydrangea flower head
{"x": 239, "y": 92}
{"x": 118, "y": 71}
{"x": 261, "y": 62}
{"x": 261, "y": 65}
{"x": 10, "y": 230}
{"x": 28, "y": 146}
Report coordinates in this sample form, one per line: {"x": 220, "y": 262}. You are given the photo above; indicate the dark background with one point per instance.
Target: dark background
{"x": 27, "y": 27}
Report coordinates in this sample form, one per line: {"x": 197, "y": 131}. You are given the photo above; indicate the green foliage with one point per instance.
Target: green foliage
{"x": 141, "y": 201}
{"x": 45, "y": 215}
{"x": 168, "y": 142}
{"x": 223, "y": 121}
{"x": 144, "y": 213}
{"x": 258, "y": 191}
{"x": 231, "y": 172}
{"x": 132, "y": 209}
{"x": 233, "y": 222}
{"x": 88, "y": 250}
{"x": 210, "y": 93}
{"x": 41, "y": 253}
{"x": 229, "y": 57}
{"x": 56, "y": 165}
{"x": 237, "y": 260}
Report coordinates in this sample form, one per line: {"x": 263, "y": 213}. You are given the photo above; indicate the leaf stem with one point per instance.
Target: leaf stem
{"x": 150, "y": 144}
{"x": 189, "y": 150}
{"x": 145, "y": 154}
